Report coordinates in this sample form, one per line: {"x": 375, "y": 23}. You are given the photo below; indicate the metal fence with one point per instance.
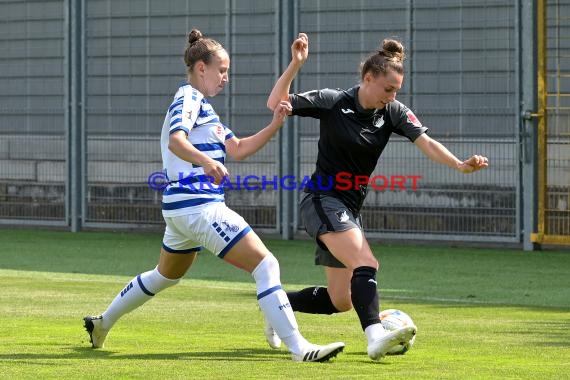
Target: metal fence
{"x": 553, "y": 145}
{"x": 84, "y": 86}
{"x": 460, "y": 83}
{"x": 32, "y": 121}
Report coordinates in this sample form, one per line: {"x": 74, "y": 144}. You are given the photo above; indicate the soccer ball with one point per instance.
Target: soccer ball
{"x": 393, "y": 319}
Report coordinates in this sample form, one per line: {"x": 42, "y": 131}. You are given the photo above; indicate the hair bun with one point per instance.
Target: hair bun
{"x": 194, "y": 35}
{"x": 392, "y": 49}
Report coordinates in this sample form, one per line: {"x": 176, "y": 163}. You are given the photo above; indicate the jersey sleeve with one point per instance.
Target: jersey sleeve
{"x": 314, "y": 103}
{"x": 405, "y": 121}
{"x": 228, "y": 134}
{"x": 184, "y": 110}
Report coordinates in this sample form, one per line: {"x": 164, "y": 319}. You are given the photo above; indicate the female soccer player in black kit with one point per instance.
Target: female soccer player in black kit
{"x": 355, "y": 126}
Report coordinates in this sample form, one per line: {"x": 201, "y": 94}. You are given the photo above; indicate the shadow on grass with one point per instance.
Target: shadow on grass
{"x": 106, "y": 253}
{"x": 544, "y": 333}
{"x": 242, "y": 354}
{"x": 499, "y": 276}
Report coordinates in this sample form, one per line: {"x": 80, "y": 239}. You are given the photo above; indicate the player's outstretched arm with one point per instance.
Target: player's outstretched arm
{"x": 245, "y": 147}
{"x": 439, "y": 153}
{"x": 299, "y": 54}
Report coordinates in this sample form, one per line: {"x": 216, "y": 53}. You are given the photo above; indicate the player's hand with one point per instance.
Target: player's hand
{"x": 215, "y": 170}
{"x": 281, "y": 111}
{"x": 473, "y": 164}
{"x": 300, "y": 48}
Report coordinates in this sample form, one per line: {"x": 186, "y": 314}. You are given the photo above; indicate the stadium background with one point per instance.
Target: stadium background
{"x": 84, "y": 86}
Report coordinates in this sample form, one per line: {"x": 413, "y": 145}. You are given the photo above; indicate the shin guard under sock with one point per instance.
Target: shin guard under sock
{"x": 365, "y": 296}
{"x": 314, "y": 300}
{"x": 139, "y": 290}
{"x": 275, "y": 305}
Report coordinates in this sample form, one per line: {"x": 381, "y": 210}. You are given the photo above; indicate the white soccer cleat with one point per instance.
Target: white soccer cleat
{"x": 271, "y": 336}
{"x": 380, "y": 347}
{"x": 96, "y": 333}
{"x": 314, "y": 353}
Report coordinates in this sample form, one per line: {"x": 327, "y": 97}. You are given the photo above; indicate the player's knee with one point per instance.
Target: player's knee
{"x": 370, "y": 262}
{"x": 272, "y": 263}
{"x": 364, "y": 261}
{"x": 155, "y": 282}
{"x": 342, "y": 304}
{"x": 341, "y": 300}
{"x": 167, "y": 283}
{"x": 267, "y": 271}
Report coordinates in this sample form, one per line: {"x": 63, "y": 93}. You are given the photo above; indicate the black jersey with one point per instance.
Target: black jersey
{"x": 351, "y": 138}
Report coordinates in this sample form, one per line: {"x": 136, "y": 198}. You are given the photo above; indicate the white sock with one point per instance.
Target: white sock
{"x": 374, "y": 332}
{"x": 275, "y": 304}
{"x": 139, "y": 290}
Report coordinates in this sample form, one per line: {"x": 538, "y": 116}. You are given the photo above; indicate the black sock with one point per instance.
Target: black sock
{"x": 365, "y": 296}
{"x": 312, "y": 300}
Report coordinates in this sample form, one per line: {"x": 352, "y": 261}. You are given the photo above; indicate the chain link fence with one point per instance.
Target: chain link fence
{"x": 462, "y": 81}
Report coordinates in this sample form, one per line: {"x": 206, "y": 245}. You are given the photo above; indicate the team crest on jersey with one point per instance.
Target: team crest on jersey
{"x": 413, "y": 119}
{"x": 230, "y": 227}
{"x": 378, "y": 121}
{"x": 188, "y": 114}
{"x": 342, "y": 216}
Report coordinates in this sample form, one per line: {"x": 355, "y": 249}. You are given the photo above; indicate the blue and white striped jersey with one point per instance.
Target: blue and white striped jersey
{"x": 189, "y": 190}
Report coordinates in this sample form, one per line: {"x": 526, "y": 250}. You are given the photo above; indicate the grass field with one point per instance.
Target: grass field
{"x": 481, "y": 313}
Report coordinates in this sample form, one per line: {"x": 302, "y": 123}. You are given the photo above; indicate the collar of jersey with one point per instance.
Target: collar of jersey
{"x": 359, "y": 108}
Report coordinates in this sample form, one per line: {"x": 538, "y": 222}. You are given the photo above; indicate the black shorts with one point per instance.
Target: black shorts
{"x": 324, "y": 213}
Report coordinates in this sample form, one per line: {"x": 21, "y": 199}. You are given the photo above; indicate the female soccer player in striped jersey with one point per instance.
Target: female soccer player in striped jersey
{"x": 194, "y": 144}
{"x": 355, "y": 126}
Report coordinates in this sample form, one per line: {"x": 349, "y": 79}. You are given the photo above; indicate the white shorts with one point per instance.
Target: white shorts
{"x": 216, "y": 228}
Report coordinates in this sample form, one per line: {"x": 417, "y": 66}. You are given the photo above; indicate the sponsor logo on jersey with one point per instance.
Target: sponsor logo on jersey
{"x": 346, "y": 110}
{"x": 413, "y": 119}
